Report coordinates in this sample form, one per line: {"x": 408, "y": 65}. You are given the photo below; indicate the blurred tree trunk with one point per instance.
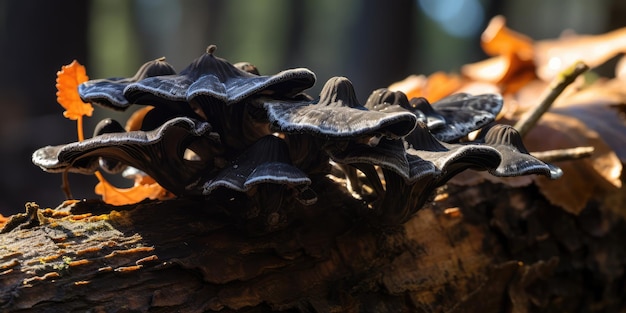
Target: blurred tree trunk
{"x": 382, "y": 49}
{"x": 486, "y": 248}
{"x": 35, "y": 37}
{"x": 47, "y": 34}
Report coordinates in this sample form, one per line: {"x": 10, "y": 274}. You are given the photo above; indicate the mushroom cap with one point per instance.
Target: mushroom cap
{"x": 216, "y": 80}
{"x": 434, "y": 120}
{"x": 432, "y": 162}
{"x": 449, "y": 119}
{"x": 265, "y": 162}
{"x": 109, "y": 92}
{"x": 337, "y": 114}
{"x": 106, "y": 126}
{"x": 465, "y": 113}
{"x": 158, "y": 153}
{"x": 450, "y": 159}
{"x": 385, "y": 100}
{"x": 516, "y": 160}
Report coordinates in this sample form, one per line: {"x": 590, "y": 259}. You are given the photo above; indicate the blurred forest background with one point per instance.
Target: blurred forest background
{"x": 373, "y": 43}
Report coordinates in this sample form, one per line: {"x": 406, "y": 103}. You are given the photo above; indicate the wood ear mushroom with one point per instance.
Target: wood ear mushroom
{"x": 216, "y": 126}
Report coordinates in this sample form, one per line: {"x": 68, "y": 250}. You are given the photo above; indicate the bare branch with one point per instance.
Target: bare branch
{"x": 564, "y": 79}
{"x": 564, "y": 154}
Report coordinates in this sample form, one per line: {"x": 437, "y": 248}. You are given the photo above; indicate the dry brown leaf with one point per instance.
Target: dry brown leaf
{"x": 600, "y": 106}
{"x": 511, "y": 66}
{"x": 552, "y": 56}
{"x": 497, "y": 39}
{"x": 602, "y": 91}
{"x": 493, "y": 70}
{"x": 582, "y": 178}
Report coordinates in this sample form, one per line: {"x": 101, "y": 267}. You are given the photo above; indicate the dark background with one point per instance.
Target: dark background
{"x": 373, "y": 43}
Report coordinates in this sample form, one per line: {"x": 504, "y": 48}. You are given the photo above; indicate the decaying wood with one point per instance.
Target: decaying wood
{"x": 486, "y": 248}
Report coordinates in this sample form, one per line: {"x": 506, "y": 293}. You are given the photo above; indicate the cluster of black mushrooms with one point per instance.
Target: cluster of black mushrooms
{"x": 223, "y": 131}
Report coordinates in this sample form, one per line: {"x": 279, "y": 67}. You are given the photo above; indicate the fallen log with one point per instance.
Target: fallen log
{"x": 485, "y": 248}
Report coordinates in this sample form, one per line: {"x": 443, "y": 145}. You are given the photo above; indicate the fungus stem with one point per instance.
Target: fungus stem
{"x": 65, "y": 185}
{"x": 564, "y": 154}
{"x": 79, "y": 128}
{"x": 564, "y": 79}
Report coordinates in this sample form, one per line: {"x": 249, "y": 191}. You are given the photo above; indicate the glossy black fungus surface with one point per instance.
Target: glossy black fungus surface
{"x": 222, "y": 129}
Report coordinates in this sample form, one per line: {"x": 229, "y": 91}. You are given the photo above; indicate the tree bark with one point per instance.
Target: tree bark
{"x": 483, "y": 248}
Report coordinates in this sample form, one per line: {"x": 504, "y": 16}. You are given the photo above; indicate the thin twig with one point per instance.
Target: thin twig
{"x": 564, "y": 154}
{"x": 564, "y": 79}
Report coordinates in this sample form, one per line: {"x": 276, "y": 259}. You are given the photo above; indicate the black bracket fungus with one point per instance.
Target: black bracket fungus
{"x": 110, "y": 92}
{"x": 159, "y": 153}
{"x": 463, "y": 113}
{"x": 385, "y": 100}
{"x": 448, "y": 119}
{"x": 337, "y": 115}
{"x": 225, "y": 132}
{"x": 265, "y": 162}
{"x": 215, "y": 80}
{"x": 213, "y": 89}
{"x": 516, "y": 160}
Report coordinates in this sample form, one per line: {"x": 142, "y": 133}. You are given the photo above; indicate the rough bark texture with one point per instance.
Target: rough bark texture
{"x": 486, "y": 248}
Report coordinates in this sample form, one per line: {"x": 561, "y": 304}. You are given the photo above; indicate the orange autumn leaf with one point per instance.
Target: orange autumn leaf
{"x": 497, "y": 39}
{"x": 434, "y": 87}
{"x": 3, "y": 220}
{"x": 122, "y": 196}
{"x": 68, "y": 79}
{"x": 511, "y": 66}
